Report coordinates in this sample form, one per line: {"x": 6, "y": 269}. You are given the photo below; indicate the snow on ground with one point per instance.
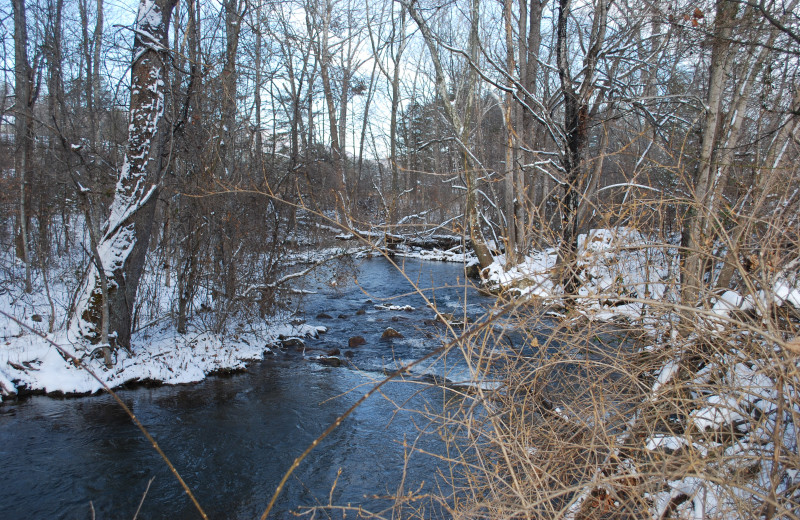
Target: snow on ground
{"x": 29, "y": 362}
{"x": 455, "y": 254}
{"x": 616, "y": 268}
{"x": 622, "y": 272}
{"x": 313, "y": 256}
{"x": 531, "y": 277}
{"x": 742, "y": 397}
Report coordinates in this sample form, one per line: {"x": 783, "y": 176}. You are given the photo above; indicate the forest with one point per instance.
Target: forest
{"x": 622, "y": 177}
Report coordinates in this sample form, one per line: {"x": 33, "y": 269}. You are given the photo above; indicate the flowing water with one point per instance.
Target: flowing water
{"x": 232, "y": 438}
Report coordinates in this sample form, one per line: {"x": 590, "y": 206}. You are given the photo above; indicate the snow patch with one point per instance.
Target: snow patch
{"x": 32, "y": 363}
{"x": 149, "y": 14}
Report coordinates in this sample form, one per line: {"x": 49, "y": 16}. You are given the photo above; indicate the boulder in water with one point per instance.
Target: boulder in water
{"x": 445, "y": 317}
{"x": 473, "y": 271}
{"x": 328, "y": 361}
{"x": 356, "y": 341}
{"x": 323, "y": 316}
{"x": 292, "y": 342}
{"x": 390, "y": 333}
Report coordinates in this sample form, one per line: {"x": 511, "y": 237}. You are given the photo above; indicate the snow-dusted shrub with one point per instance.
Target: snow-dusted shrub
{"x": 675, "y": 411}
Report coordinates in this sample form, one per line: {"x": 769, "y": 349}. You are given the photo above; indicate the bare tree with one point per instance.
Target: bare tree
{"x": 530, "y": 39}
{"x": 736, "y": 65}
{"x": 392, "y": 44}
{"x": 24, "y": 98}
{"x": 460, "y": 124}
{"x": 576, "y": 126}
{"x": 126, "y": 234}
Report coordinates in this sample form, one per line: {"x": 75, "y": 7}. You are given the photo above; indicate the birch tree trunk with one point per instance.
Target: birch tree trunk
{"x": 126, "y": 234}
{"x": 725, "y": 132}
{"x": 763, "y": 186}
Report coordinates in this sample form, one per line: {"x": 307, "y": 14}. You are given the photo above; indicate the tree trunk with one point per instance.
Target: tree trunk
{"x": 511, "y": 166}
{"x": 576, "y": 130}
{"x": 475, "y": 234}
{"x": 229, "y": 84}
{"x": 764, "y": 182}
{"x": 127, "y": 232}
{"x": 258, "y": 153}
{"x": 364, "y": 126}
{"x": 324, "y": 58}
{"x": 726, "y": 156}
{"x": 695, "y": 241}
{"x": 95, "y": 79}
{"x": 23, "y": 129}
{"x": 55, "y": 155}
{"x": 86, "y": 56}
{"x": 395, "y": 108}
{"x": 529, "y": 71}
{"x": 461, "y": 127}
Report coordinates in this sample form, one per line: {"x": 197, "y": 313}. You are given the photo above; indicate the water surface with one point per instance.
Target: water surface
{"x": 232, "y": 438}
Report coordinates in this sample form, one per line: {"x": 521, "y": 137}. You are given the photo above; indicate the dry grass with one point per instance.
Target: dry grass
{"x": 679, "y": 413}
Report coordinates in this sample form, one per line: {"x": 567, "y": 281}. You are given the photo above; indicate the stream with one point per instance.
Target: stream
{"x": 233, "y": 437}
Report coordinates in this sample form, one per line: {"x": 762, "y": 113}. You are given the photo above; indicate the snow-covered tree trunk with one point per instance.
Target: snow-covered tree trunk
{"x": 126, "y": 234}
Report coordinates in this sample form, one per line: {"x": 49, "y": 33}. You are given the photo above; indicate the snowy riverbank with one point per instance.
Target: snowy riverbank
{"x": 29, "y": 363}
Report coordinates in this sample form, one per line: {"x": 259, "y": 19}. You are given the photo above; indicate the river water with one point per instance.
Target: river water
{"x": 232, "y": 438}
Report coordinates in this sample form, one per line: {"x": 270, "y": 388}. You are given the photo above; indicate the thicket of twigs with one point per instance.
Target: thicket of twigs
{"x": 628, "y": 403}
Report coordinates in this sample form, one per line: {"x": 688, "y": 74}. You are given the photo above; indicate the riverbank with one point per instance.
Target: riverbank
{"x": 31, "y": 364}
{"x": 725, "y": 386}
{"x": 31, "y": 322}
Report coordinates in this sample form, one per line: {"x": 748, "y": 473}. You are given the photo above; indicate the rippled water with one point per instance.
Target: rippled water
{"x": 232, "y": 438}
